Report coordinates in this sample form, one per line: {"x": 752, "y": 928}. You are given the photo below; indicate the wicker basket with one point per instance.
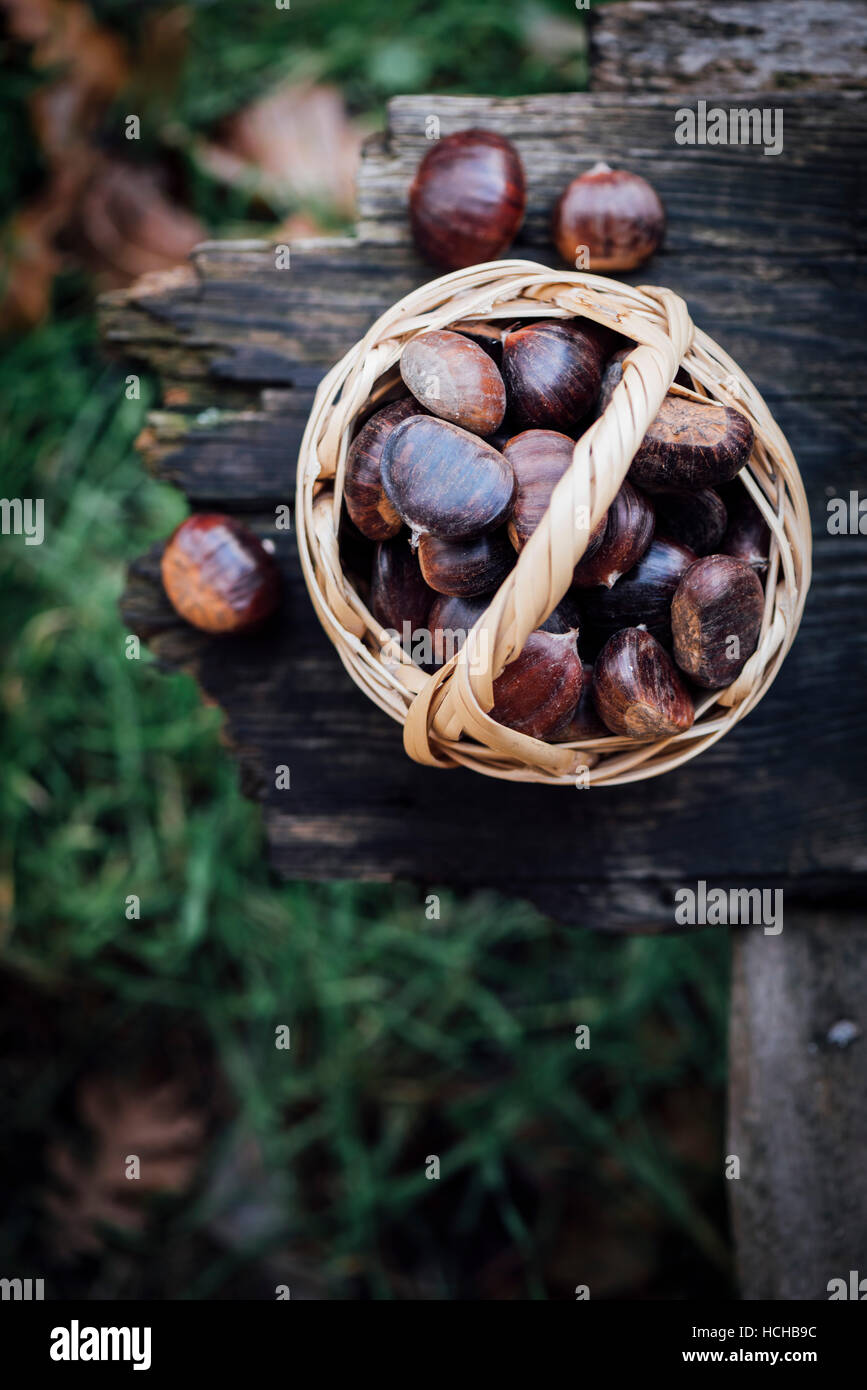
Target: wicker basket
{"x": 444, "y": 714}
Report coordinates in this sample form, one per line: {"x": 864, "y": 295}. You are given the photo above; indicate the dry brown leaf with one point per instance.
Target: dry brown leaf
{"x": 124, "y": 1117}
{"x": 126, "y": 226}
{"x": 301, "y": 143}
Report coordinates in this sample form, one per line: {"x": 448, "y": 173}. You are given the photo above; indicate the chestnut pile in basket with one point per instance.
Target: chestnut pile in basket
{"x": 445, "y": 485}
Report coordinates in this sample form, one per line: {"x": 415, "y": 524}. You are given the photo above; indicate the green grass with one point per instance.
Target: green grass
{"x": 409, "y": 1037}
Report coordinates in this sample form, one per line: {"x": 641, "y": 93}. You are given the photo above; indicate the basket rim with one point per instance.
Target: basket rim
{"x": 443, "y": 714}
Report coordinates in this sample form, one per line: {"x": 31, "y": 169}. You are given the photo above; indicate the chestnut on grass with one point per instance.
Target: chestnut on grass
{"x": 471, "y": 565}
{"x": 616, "y": 215}
{"x": 716, "y": 615}
{"x": 628, "y": 531}
{"x": 637, "y": 690}
{"x": 537, "y": 691}
{"x": 218, "y": 575}
{"x": 642, "y": 598}
{"x": 455, "y": 379}
{"x": 552, "y": 372}
{"x": 467, "y": 199}
{"x": 399, "y": 597}
{"x": 365, "y": 499}
{"x": 692, "y": 444}
{"x": 696, "y": 519}
{"x": 443, "y": 480}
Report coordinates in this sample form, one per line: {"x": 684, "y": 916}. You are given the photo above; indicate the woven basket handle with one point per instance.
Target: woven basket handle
{"x": 456, "y": 698}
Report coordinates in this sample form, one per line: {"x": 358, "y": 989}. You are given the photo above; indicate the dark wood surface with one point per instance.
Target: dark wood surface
{"x": 798, "y": 1105}
{"x": 702, "y": 47}
{"x": 769, "y": 254}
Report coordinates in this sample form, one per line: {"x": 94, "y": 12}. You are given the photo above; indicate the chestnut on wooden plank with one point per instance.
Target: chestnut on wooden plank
{"x": 552, "y": 372}
{"x": 467, "y": 200}
{"x": 637, "y": 690}
{"x": 537, "y": 691}
{"x": 455, "y": 379}
{"x": 692, "y": 444}
{"x": 443, "y": 480}
{"x": 716, "y": 615}
{"x": 365, "y": 499}
{"x": 218, "y": 575}
{"x": 608, "y": 219}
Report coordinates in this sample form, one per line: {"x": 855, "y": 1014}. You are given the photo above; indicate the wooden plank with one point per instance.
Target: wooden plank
{"x": 723, "y": 197}
{"x": 241, "y": 346}
{"x": 798, "y": 1105}
{"x": 754, "y": 45}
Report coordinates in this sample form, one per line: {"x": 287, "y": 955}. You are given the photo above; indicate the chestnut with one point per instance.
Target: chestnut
{"x": 552, "y": 372}
{"x": 565, "y": 617}
{"x": 747, "y": 535}
{"x": 455, "y": 379}
{"x": 612, "y": 376}
{"x": 637, "y": 690}
{"x": 449, "y": 621}
{"x": 399, "y": 597}
{"x": 584, "y": 722}
{"x": 487, "y": 336}
{"x": 539, "y": 458}
{"x": 218, "y": 575}
{"x": 696, "y": 519}
{"x": 467, "y": 199}
{"x": 443, "y": 480}
{"x": 692, "y": 444}
{"x": 468, "y": 566}
{"x": 642, "y": 598}
{"x": 616, "y": 215}
{"x": 367, "y": 504}
{"x": 628, "y": 531}
{"x": 716, "y": 615}
{"x": 537, "y": 691}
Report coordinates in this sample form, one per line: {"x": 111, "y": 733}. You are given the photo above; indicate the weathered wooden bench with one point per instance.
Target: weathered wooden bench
{"x": 769, "y": 253}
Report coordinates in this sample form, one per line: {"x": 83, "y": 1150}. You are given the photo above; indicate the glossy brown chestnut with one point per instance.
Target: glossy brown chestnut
{"x": 443, "y": 480}
{"x": 455, "y": 379}
{"x": 467, "y": 200}
{"x": 642, "y": 598}
{"x": 692, "y": 444}
{"x": 218, "y": 575}
{"x": 487, "y": 336}
{"x": 363, "y": 493}
{"x": 616, "y": 215}
{"x": 539, "y": 458}
{"x": 637, "y": 690}
{"x": 612, "y": 376}
{"x": 552, "y": 372}
{"x": 399, "y": 597}
{"x": 627, "y": 534}
{"x": 565, "y": 617}
{"x": 716, "y": 615}
{"x": 449, "y": 621}
{"x": 536, "y": 692}
{"x": 747, "y": 535}
{"x": 471, "y": 565}
{"x": 584, "y": 722}
{"x": 696, "y": 519}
